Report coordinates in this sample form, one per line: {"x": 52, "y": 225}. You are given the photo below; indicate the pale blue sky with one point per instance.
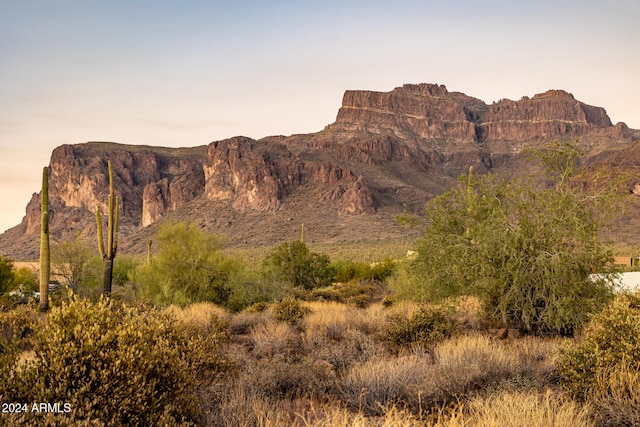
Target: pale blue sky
{"x": 185, "y": 73}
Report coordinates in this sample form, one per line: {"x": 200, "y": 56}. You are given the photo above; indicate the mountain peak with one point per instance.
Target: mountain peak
{"x": 385, "y": 152}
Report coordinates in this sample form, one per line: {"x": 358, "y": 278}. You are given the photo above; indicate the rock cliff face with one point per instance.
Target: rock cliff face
{"x": 385, "y": 151}
{"x": 552, "y": 114}
{"x": 427, "y": 110}
{"x": 259, "y": 175}
{"x": 148, "y": 182}
{"x": 432, "y": 112}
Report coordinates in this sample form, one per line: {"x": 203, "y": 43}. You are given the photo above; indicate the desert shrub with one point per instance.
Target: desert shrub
{"x": 537, "y": 358}
{"x": 188, "y": 267}
{"x": 456, "y": 370}
{"x": 275, "y": 378}
{"x": 247, "y": 291}
{"x": 26, "y": 279}
{"x": 123, "y": 267}
{"x": 332, "y": 414}
{"x": 610, "y": 339}
{"x": 357, "y": 293}
{"x": 426, "y": 326}
{"x": 382, "y": 269}
{"x": 6, "y": 275}
{"x": 295, "y": 264}
{"x": 527, "y": 252}
{"x": 289, "y": 310}
{"x": 345, "y": 271}
{"x": 241, "y": 323}
{"x": 468, "y": 312}
{"x": 334, "y": 332}
{"x": 117, "y": 365}
{"x": 276, "y": 339}
{"x": 17, "y": 328}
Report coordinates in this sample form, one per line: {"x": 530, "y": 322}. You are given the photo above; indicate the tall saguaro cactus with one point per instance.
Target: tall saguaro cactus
{"x": 112, "y": 236}
{"x": 45, "y": 260}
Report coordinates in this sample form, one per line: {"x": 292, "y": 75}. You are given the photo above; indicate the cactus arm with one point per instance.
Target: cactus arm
{"x": 100, "y": 237}
{"x": 110, "y": 228}
{"x": 115, "y": 232}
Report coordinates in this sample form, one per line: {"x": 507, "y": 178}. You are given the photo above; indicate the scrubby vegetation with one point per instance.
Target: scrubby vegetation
{"x": 313, "y": 363}
{"x": 492, "y": 320}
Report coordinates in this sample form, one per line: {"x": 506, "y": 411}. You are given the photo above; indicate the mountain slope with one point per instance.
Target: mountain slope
{"x": 386, "y": 151}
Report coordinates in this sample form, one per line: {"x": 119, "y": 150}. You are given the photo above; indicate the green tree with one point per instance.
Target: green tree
{"x": 295, "y": 264}
{"x": 527, "y": 252}
{"x": 70, "y": 259}
{"x": 6, "y": 274}
{"x": 187, "y": 267}
{"x": 26, "y": 279}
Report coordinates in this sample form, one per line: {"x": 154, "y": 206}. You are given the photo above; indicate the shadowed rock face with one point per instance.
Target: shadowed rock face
{"x": 385, "y": 151}
{"x": 258, "y": 175}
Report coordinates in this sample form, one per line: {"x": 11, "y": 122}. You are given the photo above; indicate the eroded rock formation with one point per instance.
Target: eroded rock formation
{"x": 386, "y": 151}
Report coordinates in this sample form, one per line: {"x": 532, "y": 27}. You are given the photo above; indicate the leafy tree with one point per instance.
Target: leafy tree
{"x": 527, "y": 252}
{"x": 70, "y": 260}
{"x": 6, "y": 274}
{"x": 294, "y": 263}
{"x": 26, "y": 279}
{"x": 188, "y": 267}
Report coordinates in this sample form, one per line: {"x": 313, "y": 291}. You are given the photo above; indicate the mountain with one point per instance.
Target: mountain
{"x": 386, "y": 152}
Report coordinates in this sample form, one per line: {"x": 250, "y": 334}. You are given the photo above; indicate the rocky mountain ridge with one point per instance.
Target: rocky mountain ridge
{"x": 385, "y": 152}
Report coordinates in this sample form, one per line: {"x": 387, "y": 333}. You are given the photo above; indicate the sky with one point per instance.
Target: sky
{"x": 185, "y": 73}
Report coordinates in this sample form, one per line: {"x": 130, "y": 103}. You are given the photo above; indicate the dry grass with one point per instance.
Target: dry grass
{"x": 468, "y": 313}
{"x": 241, "y": 323}
{"x": 386, "y": 381}
{"x": 526, "y": 409}
{"x": 203, "y": 317}
{"x": 332, "y": 368}
{"x": 615, "y": 396}
{"x": 469, "y": 363}
{"x": 275, "y": 338}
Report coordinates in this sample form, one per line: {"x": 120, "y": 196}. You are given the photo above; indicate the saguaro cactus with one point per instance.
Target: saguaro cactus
{"x": 45, "y": 260}
{"x": 112, "y": 236}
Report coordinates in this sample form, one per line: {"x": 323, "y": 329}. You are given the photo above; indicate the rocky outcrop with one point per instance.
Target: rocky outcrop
{"x": 552, "y": 114}
{"x": 426, "y": 110}
{"x": 148, "y": 181}
{"x": 385, "y": 152}
{"x": 258, "y": 175}
{"x": 432, "y": 112}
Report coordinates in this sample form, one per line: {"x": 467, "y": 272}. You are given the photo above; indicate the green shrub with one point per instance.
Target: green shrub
{"x": 610, "y": 339}
{"x": 295, "y": 264}
{"x": 426, "y": 326}
{"x": 118, "y": 365}
{"x": 188, "y": 267}
{"x": 289, "y": 310}
{"x": 529, "y": 253}
{"x": 6, "y": 275}
{"x": 345, "y": 271}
